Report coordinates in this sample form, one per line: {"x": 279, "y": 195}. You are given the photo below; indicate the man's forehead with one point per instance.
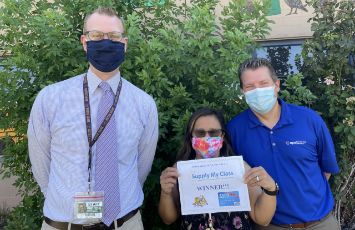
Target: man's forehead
{"x": 102, "y": 20}
{"x": 259, "y": 74}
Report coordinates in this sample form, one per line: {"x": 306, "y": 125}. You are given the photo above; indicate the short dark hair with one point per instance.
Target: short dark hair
{"x": 254, "y": 64}
{"x": 102, "y": 11}
{"x": 187, "y": 152}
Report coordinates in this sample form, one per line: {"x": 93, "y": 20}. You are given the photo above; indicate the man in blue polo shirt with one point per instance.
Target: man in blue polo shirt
{"x": 292, "y": 143}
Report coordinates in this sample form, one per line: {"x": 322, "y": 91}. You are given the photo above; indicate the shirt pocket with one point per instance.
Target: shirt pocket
{"x": 71, "y": 131}
{"x": 129, "y": 133}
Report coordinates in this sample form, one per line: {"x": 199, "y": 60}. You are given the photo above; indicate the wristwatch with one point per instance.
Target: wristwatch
{"x": 272, "y": 193}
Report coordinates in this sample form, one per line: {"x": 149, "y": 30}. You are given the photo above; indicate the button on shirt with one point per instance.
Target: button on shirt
{"x": 296, "y": 153}
{"x": 58, "y": 144}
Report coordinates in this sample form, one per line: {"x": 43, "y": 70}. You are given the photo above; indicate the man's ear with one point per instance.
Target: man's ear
{"x": 125, "y": 41}
{"x": 242, "y": 89}
{"x": 277, "y": 85}
{"x": 83, "y": 42}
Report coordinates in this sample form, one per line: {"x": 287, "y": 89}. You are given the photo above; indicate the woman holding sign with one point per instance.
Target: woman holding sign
{"x": 205, "y": 137}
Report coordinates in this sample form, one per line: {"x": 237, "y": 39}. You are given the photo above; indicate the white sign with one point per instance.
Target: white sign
{"x": 212, "y": 185}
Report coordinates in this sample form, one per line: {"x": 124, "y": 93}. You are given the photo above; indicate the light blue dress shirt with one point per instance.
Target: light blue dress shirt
{"x": 58, "y": 145}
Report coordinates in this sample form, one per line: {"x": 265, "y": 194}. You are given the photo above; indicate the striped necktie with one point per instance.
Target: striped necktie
{"x": 106, "y": 171}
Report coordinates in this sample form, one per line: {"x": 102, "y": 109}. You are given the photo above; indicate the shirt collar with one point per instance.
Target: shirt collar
{"x": 94, "y": 81}
{"x": 285, "y": 117}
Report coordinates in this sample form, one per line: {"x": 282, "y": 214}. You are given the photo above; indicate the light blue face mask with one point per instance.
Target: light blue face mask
{"x": 261, "y": 100}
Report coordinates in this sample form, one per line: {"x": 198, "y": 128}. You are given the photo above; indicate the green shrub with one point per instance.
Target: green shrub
{"x": 329, "y": 70}
{"x": 186, "y": 59}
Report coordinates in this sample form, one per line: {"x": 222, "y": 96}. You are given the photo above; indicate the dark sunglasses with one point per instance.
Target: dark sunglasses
{"x": 211, "y": 133}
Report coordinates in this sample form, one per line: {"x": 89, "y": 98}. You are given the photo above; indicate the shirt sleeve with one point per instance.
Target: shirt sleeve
{"x": 39, "y": 139}
{"x": 148, "y": 144}
{"x": 325, "y": 147}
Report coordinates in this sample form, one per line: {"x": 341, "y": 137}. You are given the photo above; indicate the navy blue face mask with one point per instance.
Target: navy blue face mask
{"x": 105, "y": 55}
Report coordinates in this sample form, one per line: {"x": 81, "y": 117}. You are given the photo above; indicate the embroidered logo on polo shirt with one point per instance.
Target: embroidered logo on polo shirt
{"x": 296, "y": 142}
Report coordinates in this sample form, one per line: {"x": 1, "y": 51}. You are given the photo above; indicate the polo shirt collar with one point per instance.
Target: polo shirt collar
{"x": 285, "y": 117}
{"x": 94, "y": 81}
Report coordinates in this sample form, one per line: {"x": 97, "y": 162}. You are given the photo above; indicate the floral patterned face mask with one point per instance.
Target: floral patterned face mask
{"x": 207, "y": 147}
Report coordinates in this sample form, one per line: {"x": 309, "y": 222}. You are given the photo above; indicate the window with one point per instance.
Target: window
{"x": 283, "y": 56}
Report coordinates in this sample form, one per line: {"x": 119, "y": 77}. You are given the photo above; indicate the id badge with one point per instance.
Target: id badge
{"x": 88, "y": 206}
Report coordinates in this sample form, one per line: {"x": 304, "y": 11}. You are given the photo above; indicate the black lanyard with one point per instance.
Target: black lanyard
{"x": 88, "y": 119}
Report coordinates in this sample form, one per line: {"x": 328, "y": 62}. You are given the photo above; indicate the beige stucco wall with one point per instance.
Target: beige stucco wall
{"x": 286, "y": 25}
{"x": 8, "y": 193}
{"x": 293, "y": 26}
{"x": 289, "y": 26}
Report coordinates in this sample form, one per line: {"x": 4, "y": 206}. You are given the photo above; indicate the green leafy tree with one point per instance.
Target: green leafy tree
{"x": 186, "y": 58}
{"x": 183, "y": 55}
{"x": 329, "y": 71}
{"x": 295, "y": 92}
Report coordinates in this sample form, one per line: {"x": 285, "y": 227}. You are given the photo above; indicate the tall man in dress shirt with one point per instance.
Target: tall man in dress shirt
{"x": 89, "y": 162}
{"x": 292, "y": 143}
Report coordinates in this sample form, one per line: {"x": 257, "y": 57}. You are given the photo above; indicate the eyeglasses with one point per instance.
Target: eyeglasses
{"x": 95, "y": 35}
{"x": 211, "y": 133}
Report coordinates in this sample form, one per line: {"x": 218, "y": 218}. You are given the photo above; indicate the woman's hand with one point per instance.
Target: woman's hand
{"x": 168, "y": 209}
{"x": 259, "y": 177}
{"x": 168, "y": 180}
